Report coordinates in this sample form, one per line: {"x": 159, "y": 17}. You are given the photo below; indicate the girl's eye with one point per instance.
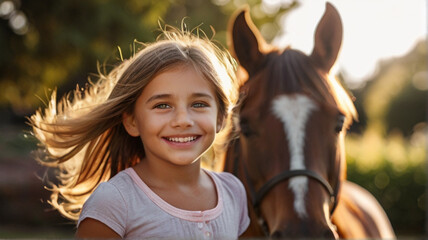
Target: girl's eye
{"x": 200, "y": 105}
{"x": 162, "y": 106}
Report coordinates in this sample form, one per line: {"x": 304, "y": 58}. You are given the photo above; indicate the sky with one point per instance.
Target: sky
{"x": 373, "y": 30}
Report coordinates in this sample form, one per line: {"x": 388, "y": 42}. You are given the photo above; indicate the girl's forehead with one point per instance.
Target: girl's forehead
{"x": 178, "y": 80}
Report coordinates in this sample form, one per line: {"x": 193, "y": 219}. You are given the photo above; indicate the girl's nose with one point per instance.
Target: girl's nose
{"x": 182, "y": 119}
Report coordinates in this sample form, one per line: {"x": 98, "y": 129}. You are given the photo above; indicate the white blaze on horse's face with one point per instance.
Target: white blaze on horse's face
{"x": 293, "y": 111}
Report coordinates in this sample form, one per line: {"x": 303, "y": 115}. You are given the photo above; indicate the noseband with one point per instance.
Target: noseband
{"x": 257, "y": 196}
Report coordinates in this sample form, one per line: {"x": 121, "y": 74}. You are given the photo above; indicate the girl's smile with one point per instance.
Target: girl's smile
{"x": 182, "y": 142}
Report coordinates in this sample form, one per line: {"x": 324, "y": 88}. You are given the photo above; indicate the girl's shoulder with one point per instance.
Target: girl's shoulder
{"x": 116, "y": 188}
{"x": 234, "y": 198}
{"x": 227, "y": 180}
{"x": 122, "y": 177}
{"x": 109, "y": 203}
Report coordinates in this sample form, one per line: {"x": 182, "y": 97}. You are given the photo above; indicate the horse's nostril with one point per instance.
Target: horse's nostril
{"x": 328, "y": 234}
{"x": 276, "y": 234}
{"x": 306, "y": 232}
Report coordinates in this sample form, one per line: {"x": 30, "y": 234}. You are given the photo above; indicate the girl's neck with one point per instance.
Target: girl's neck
{"x": 162, "y": 175}
{"x": 184, "y": 187}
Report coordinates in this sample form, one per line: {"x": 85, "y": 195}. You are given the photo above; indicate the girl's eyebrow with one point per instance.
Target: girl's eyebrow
{"x": 203, "y": 95}
{"x": 163, "y": 96}
{"x": 158, "y": 96}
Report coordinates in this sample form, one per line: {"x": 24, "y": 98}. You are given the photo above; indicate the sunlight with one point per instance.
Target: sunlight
{"x": 373, "y": 30}
{"x": 371, "y": 150}
{"x": 6, "y": 8}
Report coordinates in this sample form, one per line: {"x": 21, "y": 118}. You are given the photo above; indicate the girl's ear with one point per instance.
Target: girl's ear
{"x": 128, "y": 122}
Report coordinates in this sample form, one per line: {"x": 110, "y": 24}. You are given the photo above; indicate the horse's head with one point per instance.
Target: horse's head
{"x": 291, "y": 118}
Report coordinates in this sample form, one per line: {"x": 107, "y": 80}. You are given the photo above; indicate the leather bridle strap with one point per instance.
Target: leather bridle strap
{"x": 257, "y": 196}
{"x": 260, "y": 194}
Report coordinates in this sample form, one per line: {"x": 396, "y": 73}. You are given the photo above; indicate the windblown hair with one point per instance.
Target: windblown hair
{"x": 82, "y": 135}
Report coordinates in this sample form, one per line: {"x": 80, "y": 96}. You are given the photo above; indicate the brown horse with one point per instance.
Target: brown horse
{"x": 289, "y": 154}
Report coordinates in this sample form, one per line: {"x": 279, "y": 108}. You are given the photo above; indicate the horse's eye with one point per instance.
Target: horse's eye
{"x": 245, "y": 128}
{"x": 339, "y": 124}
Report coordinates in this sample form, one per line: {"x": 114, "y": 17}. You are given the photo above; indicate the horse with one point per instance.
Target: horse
{"x": 289, "y": 153}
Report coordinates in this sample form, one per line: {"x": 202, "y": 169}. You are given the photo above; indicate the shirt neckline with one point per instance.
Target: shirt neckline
{"x": 194, "y": 216}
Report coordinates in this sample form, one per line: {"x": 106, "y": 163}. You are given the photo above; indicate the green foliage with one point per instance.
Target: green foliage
{"x": 414, "y": 102}
{"x": 392, "y": 167}
{"x": 387, "y": 156}
{"x": 401, "y": 194}
{"x": 65, "y": 39}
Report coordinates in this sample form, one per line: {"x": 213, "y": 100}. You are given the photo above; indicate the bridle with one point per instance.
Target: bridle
{"x": 257, "y": 196}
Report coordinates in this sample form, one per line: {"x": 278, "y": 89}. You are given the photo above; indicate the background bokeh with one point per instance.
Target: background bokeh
{"x": 56, "y": 44}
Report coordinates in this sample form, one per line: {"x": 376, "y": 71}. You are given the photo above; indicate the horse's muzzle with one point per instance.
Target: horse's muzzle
{"x": 305, "y": 232}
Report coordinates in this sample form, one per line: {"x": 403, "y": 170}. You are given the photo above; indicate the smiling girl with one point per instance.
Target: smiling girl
{"x": 135, "y": 140}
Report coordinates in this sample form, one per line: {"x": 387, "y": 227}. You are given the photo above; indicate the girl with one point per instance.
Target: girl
{"x": 139, "y": 136}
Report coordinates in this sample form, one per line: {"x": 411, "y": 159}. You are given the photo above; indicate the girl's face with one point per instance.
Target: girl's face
{"x": 176, "y": 116}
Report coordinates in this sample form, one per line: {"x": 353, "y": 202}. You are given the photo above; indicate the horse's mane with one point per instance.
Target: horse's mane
{"x": 291, "y": 71}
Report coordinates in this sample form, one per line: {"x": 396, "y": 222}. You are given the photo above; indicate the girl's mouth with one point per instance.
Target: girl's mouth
{"x": 181, "y": 139}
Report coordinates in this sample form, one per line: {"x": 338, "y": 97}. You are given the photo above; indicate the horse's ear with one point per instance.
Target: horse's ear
{"x": 245, "y": 41}
{"x": 328, "y": 39}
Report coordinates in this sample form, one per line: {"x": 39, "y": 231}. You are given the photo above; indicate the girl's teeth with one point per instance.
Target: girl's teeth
{"x": 182, "y": 140}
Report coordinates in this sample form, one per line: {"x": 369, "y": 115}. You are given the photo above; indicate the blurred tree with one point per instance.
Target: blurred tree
{"x": 394, "y": 99}
{"x": 387, "y": 156}
{"x": 60, "y": 41}
{"x": 408, "y": 108}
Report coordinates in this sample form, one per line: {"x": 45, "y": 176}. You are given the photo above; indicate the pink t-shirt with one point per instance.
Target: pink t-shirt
{"x": 129, "y": 207}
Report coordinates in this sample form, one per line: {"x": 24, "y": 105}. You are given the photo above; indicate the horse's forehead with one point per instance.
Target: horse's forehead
{"x": 284, "y": 73}
{"x": 294, "y": 111}
{"x": 291, "y": 107}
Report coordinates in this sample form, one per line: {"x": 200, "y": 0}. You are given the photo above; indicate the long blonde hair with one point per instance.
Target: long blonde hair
{"x": 82, "y": 135}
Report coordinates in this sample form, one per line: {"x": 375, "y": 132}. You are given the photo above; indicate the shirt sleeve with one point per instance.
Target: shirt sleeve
{"x": 244, "y": 218}
{"x": 107, "y": 205}
{"x": 240, "y": 199}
